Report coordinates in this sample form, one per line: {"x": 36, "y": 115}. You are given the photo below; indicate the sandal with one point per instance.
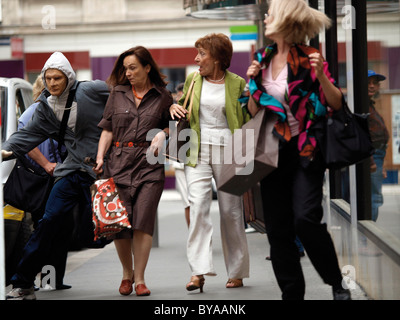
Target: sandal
{"x": 234, "y": 283}
{"x": 196, "y": 282}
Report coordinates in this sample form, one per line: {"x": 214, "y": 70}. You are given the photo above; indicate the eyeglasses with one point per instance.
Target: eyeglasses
{"x": 266, "y": 15}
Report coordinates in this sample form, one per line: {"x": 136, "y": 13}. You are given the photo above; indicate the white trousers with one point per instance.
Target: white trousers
{"x": 233, "y": 236}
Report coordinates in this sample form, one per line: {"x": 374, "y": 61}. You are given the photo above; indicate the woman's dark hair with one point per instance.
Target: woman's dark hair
{"x": 145, "y": 58}
{"x": 220, "y": 47}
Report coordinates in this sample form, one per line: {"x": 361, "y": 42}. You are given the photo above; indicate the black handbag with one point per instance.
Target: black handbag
{"x": 27, "y": 187}
{"x": 179, "y": 136}
{"x": 343, "y": 138}
{"x": 173, "y": 149}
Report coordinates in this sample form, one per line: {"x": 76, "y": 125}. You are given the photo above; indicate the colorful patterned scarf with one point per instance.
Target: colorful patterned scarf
{"x": 303, "y": 95}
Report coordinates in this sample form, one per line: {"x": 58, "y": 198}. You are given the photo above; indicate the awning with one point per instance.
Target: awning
{"x": 226, "y": 10}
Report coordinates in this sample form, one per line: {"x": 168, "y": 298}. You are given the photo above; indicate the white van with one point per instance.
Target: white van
{"x": 15, "y": 98}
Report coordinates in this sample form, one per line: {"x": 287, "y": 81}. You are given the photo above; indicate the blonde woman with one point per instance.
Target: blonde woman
{"x": 292, "y": 80}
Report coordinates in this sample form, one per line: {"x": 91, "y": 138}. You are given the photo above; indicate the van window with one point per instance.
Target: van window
{"x": 20, "y": 103}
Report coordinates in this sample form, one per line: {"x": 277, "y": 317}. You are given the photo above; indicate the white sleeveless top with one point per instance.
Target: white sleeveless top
{"x": 213, "y": 123}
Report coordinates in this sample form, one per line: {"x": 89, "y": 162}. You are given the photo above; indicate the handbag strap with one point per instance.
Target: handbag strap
{"x": 191, "y": 94}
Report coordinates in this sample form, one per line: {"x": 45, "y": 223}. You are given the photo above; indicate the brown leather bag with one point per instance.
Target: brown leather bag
{"x": 178, "y": 136}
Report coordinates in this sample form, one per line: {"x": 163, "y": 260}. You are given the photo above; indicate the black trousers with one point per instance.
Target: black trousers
{"x": 292, "y": 201}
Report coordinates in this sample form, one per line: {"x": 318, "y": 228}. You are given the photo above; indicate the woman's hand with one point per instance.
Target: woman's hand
{"x": 332, "y": 94}
{"x": 157, "y": 143}
{"x": 317, "y": 62}
{"x": 104, "y": 144}
{"x": 178, "y": 111}
{"x": 98, "y": 168}
{"x": 253, "y": 69}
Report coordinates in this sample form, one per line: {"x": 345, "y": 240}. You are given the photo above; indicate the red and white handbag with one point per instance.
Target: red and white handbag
{"x": 109, "y": 213}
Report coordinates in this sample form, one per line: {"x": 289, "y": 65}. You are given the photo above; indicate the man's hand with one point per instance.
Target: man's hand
{"x": 6, "y": 154}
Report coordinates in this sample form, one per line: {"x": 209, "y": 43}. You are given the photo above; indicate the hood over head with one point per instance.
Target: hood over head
{"x": 58, "y": 61}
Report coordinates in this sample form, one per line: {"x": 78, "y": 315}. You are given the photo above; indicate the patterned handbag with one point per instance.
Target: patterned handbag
{"x": 109, "y": 214}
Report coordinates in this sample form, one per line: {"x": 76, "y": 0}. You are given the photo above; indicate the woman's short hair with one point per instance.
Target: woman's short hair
{"x": 220, "y": 47}
{"x": 295, "y": 20}
{"x": 118, "y": 76}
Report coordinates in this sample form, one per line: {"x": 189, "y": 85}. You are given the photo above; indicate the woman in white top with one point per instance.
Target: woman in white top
{"x": 216, "y": 114}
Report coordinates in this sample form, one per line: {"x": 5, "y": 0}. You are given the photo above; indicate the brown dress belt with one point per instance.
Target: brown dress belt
{"x": 130, "y": 144}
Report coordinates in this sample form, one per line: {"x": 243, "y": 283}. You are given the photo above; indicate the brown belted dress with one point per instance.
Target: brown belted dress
{"x": 140, "y": 183}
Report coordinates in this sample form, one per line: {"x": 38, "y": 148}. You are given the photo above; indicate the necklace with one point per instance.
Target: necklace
{"x": 215, "y": 81}
{"x": 135, "y": 94}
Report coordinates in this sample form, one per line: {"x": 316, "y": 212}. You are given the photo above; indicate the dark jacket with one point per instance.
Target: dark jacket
{"x": 91, "y": 98}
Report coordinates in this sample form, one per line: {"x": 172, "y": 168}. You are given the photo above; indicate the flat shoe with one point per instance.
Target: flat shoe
{"x": 141, "y": 290}
{"x": 234, "y": 283}
{"x": 126, "y": 287}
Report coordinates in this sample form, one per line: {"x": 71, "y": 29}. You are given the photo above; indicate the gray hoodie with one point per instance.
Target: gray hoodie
{"x": 58, "y": 61}
{"x": 90, "y": 101}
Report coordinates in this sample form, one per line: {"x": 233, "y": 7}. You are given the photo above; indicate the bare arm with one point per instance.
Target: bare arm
{"x": 253, "y": 71}
{"x": 332, "y": 94}
{"x": 104, "y": 145}
{"x": 41, "y": 160}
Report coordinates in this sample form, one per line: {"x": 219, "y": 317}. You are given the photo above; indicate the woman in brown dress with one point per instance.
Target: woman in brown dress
{"x": 138, "y": 103}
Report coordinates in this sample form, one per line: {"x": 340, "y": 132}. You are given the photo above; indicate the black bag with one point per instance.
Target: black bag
{"x": 176, "y": 139}
{"x": 27, "y": 187}
{"x": 343, "y": 138}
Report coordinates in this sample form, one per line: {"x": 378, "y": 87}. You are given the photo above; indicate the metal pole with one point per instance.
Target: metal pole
{"x": 2, "y": 245}
{"x": 315, "y": 41}
{"x": 360, "y": 67}
{"x": 332, "y": 58}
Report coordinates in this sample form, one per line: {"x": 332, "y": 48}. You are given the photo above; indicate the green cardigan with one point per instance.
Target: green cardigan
{"x": 235, "y": 114}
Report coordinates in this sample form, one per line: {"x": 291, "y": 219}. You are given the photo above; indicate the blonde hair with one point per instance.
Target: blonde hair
{"x": 38, "y": 87}
{"x": 295, "y": 20}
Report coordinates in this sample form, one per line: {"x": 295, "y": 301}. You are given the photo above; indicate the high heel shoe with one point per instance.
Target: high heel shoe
{"x": 125, "y": 288}
{"x": 195, "y": 283}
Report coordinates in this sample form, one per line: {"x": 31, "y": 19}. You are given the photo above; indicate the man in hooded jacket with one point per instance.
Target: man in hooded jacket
{"x": 73, "y": 176}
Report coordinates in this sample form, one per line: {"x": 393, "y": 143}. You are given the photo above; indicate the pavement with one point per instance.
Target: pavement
{"x": 95, "y": 274}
